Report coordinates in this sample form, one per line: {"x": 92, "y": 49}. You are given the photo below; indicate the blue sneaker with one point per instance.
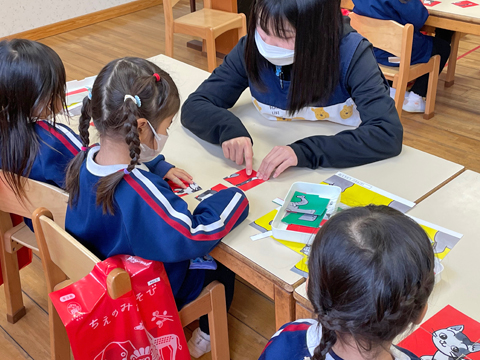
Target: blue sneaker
{"x": 205, "y": 262}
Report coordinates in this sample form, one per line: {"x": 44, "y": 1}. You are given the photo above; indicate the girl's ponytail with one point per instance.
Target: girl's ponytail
{"x": 107, "y": 185}
{"x": 72, "y": 181}
{"x": 329, "y": 337}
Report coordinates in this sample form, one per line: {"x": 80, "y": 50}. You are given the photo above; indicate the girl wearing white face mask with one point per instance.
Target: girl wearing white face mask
{"x": 119, "y": 200}
{"x": 301, "y": 61}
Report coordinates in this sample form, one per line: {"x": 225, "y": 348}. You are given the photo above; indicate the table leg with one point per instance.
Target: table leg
{"x": 452, "y": 60}
{"x": 302, "y": 312}
{"x": 284, "y": 307}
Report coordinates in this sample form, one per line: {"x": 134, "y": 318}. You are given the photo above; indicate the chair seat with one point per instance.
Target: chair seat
{"x": 391, "y": 71}
{"x": 208, "y": 19}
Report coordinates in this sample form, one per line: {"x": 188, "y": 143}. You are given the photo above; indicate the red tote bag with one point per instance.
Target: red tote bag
{"x": 141, "y": 325}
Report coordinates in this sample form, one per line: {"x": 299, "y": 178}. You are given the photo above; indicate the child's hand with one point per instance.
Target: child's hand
{"x": 177, "y": 175}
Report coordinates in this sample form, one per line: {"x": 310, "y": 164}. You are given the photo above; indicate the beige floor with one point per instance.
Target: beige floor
{"x": 454, "y": 133}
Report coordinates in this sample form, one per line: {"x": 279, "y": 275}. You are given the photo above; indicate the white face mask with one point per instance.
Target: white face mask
{"x": 274, "y": 54}
{"x": 147, "y": 154}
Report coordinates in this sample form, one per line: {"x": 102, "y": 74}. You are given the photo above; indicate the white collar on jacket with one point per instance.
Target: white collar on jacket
{"x": 105, "y": 170}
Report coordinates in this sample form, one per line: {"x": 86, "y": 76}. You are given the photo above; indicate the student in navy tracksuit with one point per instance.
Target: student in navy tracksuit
{"x": 119, "y": 200}
{"x": 424, "y": 46}
{"x": 370, "y": 277}
{"x": 32, "y": 89}
{"x": 301, "y": 61}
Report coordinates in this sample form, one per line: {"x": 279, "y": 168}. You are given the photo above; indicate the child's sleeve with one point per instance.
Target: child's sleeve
{"x": 159, "y": 166}
{"x": 205, "y": 111}
{"x": 411, "y": 12}
{"x": 163, "y": 227}
{"x": 58, "y": 146}
{"x": 289, "y": 342}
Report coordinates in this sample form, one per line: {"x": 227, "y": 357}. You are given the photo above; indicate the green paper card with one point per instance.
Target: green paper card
{"x": 307, "y": 204}
{"x": 309, "y": 220}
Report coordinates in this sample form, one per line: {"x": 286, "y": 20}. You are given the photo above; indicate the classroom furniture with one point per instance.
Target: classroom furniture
{"x": 206, "y": 23}
{"x": 266, "y": 263}
{"x": 454, "y": 207}
{"x": 397, "y": 39}
{"x": 193, "y": 6}
{"x": 14, "y": 238}
{"x": 65, "y": 261}
{"x": 462, "y": 20}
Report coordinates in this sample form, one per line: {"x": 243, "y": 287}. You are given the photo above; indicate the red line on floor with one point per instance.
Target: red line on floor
{"x": 468, "y": 52}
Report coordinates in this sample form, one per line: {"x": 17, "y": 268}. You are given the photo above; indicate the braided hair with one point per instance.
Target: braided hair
{"x": 115, "y": 116}
{"x": 371, "y": 273}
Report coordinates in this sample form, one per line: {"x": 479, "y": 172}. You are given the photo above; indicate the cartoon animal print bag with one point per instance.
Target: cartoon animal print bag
{"x": 141, "y": 325}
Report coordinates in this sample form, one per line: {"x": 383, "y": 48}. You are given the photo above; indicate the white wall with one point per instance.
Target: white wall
{"x": 21, "y": 15}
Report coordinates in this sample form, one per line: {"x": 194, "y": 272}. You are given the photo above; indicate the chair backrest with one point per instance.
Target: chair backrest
{"x": 387, "y": 35}
{"x": 64, "y": 258}
{"x": 38, "y": 194}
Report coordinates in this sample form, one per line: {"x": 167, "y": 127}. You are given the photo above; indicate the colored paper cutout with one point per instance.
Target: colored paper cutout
{"x": 241, "y": 180}
{"x": 309, "y": 220}
{"x": 358, "y": 193}
{"x": 210, "y": 192}
{"x": 191, "y": 188}
{"x": 431, "y": 3}
{"x": 449, "y": 334}
{"x": 465, "y": 4}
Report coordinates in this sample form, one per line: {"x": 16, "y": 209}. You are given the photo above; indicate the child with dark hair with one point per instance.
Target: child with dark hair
{"x": 32, "y": 94}
{"x": 424, "y": 46}
{"x": 119, "y": 200}
{"x": 370, "y": 277}
{"x": 302, "y": 61}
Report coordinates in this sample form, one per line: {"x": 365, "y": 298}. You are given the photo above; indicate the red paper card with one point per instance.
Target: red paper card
{"x": 449, "y": 334}
{"x": 210, "y": 192}
{"x": 305, "y": 229}
{"x": 191, "y": 188}
{"x": 431, "y": 3}
{"x": 465, "y": 4}
{"x": 241, "y": 180}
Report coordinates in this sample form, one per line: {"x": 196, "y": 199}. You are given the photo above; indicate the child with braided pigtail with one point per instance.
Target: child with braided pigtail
{"x": 120, "y": 202}
{"x": 370, "y": 277}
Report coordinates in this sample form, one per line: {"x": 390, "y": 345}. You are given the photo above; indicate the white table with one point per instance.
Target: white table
{"x": 456, "y": 206}
{"x": 266, "y": 263}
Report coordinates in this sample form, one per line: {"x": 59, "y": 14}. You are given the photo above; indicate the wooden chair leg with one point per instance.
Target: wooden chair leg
{"x": 400, "y": 95}
{"x": 211, "y": 50}
{"x": 432, "y": 89}
{"x": 11, "y": 282}
{"x": 193, "y": 6}
{"x": 59, "y": 343}
{"x": 217, "y": 321}
{"x": 169, "y": 42}
{"x": 243, "y": 30}
{"x": 452, "y": 60}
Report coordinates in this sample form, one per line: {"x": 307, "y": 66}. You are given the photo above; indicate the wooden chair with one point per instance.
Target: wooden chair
{"x": 65, "y": 261}
{"x": 205, "y": 23}
{"x": 13, "y": 239}
{"x": 397, "y": 39}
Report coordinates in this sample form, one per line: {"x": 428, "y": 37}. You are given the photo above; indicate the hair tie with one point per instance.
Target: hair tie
{"x": 89, "y": 93}
{"x": 125, "y": 171}
{"x": 84, "y": 148}
{"x": 135, "y": 98}
{"x": 157, "y": 77}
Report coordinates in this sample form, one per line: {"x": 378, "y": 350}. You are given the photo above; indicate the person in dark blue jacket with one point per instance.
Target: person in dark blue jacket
{"x": 120, "y": 204}
{"x": 301, "y": 61}
{"x": 424, "y": 46}
{"x": 32, "y": 94}
{"x": 371, "y": 272}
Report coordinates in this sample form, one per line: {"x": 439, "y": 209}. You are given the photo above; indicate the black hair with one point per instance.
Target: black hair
{"x": 318, "y": 28}
{"x": 370, "y": 276}
{"x": 32, "y": 83}
{"x": 115, "y": 117}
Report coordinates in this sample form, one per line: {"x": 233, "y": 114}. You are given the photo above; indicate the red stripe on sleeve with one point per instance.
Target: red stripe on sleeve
{"x": 59, "y": 136}
{"x": 179, "y": 227}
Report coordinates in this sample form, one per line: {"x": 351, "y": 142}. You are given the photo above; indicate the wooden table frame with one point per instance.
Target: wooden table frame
{"x": 460, "y": 25}
{"x": 270, "y": 285}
